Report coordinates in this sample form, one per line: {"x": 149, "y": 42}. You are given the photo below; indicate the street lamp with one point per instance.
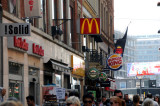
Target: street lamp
{"x": 140, "y": 78}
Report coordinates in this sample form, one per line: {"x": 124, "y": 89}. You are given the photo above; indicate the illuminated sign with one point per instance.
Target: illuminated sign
{"x": 90, "y": 26}
{"x": 115, "y": 62}
{"x": 143, "y": 68}
{"x": 78, "y": 65}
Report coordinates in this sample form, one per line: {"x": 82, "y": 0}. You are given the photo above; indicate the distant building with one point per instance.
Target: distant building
{"x": 139, "y": 49}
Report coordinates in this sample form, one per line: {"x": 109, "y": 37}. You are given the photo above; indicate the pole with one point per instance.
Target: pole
{"x": 1, "y": 49}
{"x": 140, "y": 89}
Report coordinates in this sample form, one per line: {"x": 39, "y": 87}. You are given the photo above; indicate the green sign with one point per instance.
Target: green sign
{"x": 94, "y": 94}
{"x": 102, "y": 77}
{"x": 93, "y": 73}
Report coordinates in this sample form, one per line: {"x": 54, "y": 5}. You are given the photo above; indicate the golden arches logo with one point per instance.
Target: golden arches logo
{"x": 89, "y": 25}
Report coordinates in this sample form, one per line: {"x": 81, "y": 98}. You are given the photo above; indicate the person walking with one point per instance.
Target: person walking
{"x": 136, "y": 100}
{"x": 73, "y": 101}
{"x": 30, "y": 101}
{"x": 2, "y": 94}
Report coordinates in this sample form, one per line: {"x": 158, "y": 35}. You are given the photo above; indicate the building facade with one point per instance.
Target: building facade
{"x": 50, "y": 54}
{"x": 139, "y": 49}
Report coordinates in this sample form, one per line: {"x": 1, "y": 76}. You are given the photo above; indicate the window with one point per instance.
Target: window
{"x": 15, "y": 68}
{"x": 33, "y": 71}
{"x": 58, "y": 80}
{"x": 122, "y": 84}
{"x": 13, "y": 6}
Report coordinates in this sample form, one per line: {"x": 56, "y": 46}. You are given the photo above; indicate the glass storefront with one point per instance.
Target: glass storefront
{"x": 15, "y": 80}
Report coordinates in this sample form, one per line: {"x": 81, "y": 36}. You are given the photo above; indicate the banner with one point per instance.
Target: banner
{"x": 32, "y": 8}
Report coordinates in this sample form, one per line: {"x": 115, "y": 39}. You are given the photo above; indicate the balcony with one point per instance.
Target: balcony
{"x": 95, "y": 59}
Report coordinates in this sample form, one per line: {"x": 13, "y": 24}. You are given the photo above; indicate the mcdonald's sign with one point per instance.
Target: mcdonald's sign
{"x": 90, "y": 26}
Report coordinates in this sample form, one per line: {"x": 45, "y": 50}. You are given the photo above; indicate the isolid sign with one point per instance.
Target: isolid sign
{"x": 15, "y": 29}
{"x": 93, "y": 73}
{"x": 114, "y": 62}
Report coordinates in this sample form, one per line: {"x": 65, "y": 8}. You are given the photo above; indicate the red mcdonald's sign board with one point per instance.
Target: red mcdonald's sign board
{"x": 90, "y": 26}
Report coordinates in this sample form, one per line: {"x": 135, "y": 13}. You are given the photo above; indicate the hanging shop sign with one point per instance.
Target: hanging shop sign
{"x": 15, "y": 29}
{"x": 78, "y": 66}
{"x": 90, "y": 26}
{"x": 114, "y": 62}
{"x": 32, "y": 8}
{"x": 93, "y": 73}
{"x": 102, "y": 77}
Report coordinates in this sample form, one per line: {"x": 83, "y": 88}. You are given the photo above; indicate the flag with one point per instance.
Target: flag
{"x": 120, "y": 44}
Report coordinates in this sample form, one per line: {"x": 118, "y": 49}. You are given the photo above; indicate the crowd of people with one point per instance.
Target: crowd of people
{"x": 118, "y": 99}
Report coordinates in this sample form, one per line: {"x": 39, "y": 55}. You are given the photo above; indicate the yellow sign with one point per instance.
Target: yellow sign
{"x": 91, "y": 27}
{"x": 78, "y": 66}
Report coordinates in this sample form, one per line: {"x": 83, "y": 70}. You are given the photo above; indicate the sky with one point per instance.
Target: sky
{"x": 141, "y": 16}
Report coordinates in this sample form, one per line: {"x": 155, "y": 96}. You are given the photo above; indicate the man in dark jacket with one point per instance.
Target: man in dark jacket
{"x": 127, "y": 100}
{"x": 105, "y": 101}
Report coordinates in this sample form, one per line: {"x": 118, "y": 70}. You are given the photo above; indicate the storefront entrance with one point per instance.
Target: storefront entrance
{"x": 34, "y": 86}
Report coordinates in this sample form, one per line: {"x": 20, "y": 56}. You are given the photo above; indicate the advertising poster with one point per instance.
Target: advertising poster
{"x": 52, "y": 93}
{"x": 145, "y": 68}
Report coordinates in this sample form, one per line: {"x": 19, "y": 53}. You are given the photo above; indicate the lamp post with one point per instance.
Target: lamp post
{"x": 1, "y": 49}
{"x": 140, "y": 79}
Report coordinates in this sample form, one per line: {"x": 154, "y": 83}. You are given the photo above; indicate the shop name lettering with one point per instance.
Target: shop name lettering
{"x": 115, "y": 61}
{"x": 38, "y": 50}
{"x": 20, "y": 29}
{"x": 22, "y": 44}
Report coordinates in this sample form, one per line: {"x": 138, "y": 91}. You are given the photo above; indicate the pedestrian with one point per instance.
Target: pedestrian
{"x": 127, "y": 100}
{"x": 116, "y": 101}
{"x": 88, "y": 100}
{"x": 136, "y": 100}
{"x": 149, "y": 96}
{"x": 11, "y": 103}
{"x": 30, "y": 101}
{"x": 105, "y": 101}
{"x": 147, "y": 102}
{"x": 73, "y": 101}
{"x": 2, "y": 93}
{"x": 119, "y": 94}
{"x": 156, "y": 98}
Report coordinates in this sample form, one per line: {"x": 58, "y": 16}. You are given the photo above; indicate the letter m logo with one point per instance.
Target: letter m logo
{"x": 90, "y": 26}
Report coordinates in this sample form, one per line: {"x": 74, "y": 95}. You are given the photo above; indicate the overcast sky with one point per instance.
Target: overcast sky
{"x": 144, "y": 16}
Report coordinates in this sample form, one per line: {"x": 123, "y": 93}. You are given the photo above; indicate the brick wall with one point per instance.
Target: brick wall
{"x": 5, "y": 5}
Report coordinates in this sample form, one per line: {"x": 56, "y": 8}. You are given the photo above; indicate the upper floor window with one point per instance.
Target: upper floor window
{"x": 12, "y": 6}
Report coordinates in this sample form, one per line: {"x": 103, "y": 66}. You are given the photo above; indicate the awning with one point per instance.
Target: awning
{"x": 57, "y": 65}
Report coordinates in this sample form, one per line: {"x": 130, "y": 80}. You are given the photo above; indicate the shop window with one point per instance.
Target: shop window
{"x": 33, "y": 71}
{"x": 15, "y": 89}
{"x": 15, "y": 68}
{"x": 58, "y": 80}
